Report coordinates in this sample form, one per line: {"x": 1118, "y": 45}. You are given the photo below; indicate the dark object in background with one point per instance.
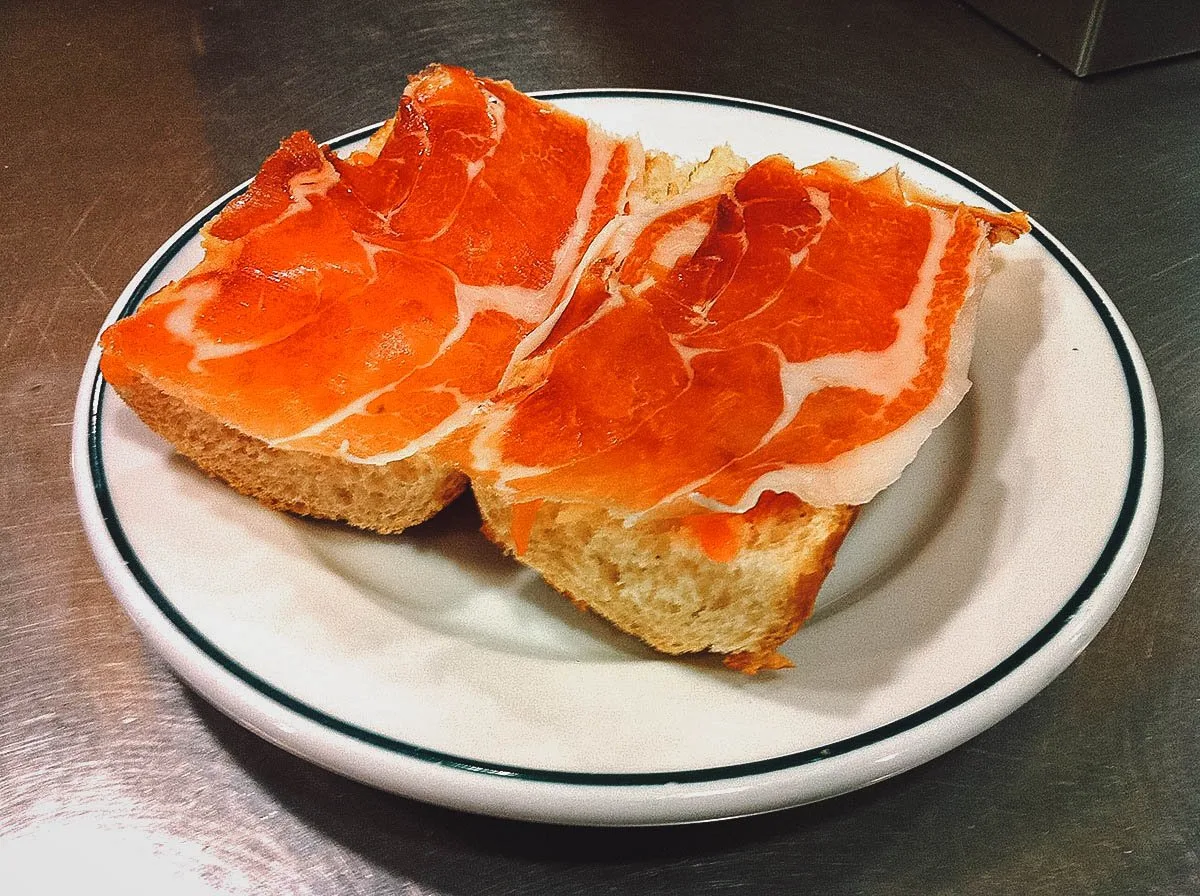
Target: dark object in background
{"x": 1090, "y": 36}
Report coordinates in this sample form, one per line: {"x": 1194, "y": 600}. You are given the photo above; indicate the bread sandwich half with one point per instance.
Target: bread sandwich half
{"x": 351, "y": 312}
{"x": 752, "y": 354}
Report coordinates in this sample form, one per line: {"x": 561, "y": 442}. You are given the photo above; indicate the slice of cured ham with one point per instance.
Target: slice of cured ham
{"x": 362, "y": 307}
{"x": 784, "y": 330}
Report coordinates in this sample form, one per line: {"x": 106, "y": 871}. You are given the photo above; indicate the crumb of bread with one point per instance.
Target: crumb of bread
{"x": 653, "y": 580}
{"x": 382, "y": 497}
{"x": 666, "y": 176}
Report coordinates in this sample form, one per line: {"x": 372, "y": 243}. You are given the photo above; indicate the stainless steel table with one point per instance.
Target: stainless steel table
{"x": 120, "y": 121}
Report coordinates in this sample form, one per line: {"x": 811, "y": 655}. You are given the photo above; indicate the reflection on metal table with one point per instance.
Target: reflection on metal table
{"x": 123, "y": 124}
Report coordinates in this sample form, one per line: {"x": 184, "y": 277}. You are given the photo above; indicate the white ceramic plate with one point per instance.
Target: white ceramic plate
{"x": 429, "y": 665}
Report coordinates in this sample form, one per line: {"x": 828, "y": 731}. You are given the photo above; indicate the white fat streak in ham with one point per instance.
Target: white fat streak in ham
{"x": 643, "y": 212}
{"x": 461, "y": 416}
{"x": 615, "y": 241}
{"x": 466, "y": 404}
{"x": 357, "y": 406}
{"x": 679, "y": 242}
{"x": 858, "y": 475}
{"x": 884, "y": 373}
{"x": 566, "y": 285}
{"x": 535, "y": 337}
{"x": 529, "y": 305}
{"x": 485, "y": 448}
{"x": 305, "y": 185}
{"x": 496, "y": 113}
{"x": 534, "y": 305}
{"x": 181, "y": 322}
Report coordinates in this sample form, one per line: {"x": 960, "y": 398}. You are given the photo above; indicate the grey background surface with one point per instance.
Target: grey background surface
{"x": 119, "y": 121}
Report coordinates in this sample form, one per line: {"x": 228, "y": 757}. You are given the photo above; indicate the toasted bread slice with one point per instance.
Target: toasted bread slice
{"x": 597, "y": 467}
{"x": 303, "y": 388}
{"x": 656, "y": 580}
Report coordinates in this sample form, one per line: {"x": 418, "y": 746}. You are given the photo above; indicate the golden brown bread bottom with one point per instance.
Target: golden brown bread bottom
{"x": 382, "y": 497}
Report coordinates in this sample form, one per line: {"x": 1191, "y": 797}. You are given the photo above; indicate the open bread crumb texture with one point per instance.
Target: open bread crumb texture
{"x": 654, "y": 581}
{"x": 385, "y": 498}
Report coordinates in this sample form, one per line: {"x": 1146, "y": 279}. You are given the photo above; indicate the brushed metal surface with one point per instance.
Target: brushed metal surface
{"x": 122, "y": 120}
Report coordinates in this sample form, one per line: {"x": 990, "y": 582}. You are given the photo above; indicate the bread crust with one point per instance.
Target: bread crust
{"x": 384, "y": 498}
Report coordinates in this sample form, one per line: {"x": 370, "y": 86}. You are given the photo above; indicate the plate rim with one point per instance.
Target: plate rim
{"x": 1109, "y": 577}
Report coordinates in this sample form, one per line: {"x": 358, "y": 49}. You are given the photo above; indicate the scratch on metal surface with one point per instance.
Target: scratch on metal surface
{"x": 103, "y": 250}
{"x": 44, "y": 717}
{"x": 1173, "y": 266}
{"x": 45, "y": 338}
{"x": 91, "y": 282}
{"x": 82, "y": 219}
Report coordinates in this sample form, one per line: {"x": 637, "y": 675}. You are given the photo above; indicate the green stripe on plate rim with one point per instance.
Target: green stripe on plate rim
{"x": 686, "y": 776}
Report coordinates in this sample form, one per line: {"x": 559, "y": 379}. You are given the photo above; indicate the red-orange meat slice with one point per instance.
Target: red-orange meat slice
{"x": 809, "y": 344}
{"x": 363, "y": 306}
